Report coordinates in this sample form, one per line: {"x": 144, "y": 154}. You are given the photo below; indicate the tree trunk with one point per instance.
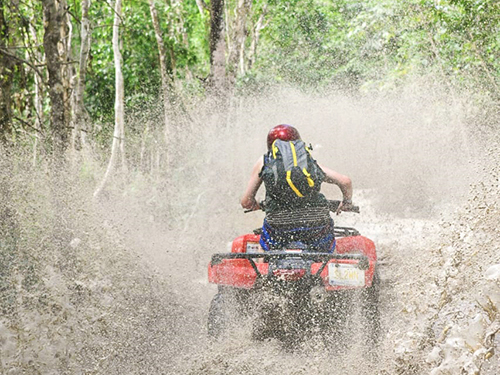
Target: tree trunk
{"x": 119, "y": 84}
{"x": 118, "y": 146}
{"x": 202, "y": 6}
{"x": 255, "y": 37}
{"x": 68, "y": 69}
{"x": 79, "y": 117}
{"x": 180, "y": 26}
{"x": 54, "y": 18}
{"x": 218, "y": 47}
{"x": 166, "y": 80}
{"x": 55, "y": 45}
{"x": 6, "y": 77}
{"x": 38, "y": 99}
{"x": 237, "y": 58}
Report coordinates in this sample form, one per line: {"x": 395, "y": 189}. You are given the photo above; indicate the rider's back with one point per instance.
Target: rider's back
{"x": 292, "y": 177}
{"x": 296, "y": 211}
{"x": 295, "y": 208}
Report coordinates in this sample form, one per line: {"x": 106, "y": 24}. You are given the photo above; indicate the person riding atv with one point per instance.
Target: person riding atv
{"x": 296, "y": 211}
{"x": 298, "y": 276}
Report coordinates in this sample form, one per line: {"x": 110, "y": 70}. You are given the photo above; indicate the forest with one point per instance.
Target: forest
{"x": 71, "y": 72}
{"x": 127, "y": 132}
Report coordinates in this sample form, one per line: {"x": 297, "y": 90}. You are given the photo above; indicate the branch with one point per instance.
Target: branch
{"x": 25, "y": 123}
{"x": 203, "y": 79}
{"x": 202, "y": 6}
{"x": 114, "y": 11}
{"x": 69, "y": 62}
{"x": 23, "y": 47}
{"x": 72, "y": 14}
{"x": 101, "y": 26}
{"x": 2, "y": 51}
{"x": 24, "y": 20}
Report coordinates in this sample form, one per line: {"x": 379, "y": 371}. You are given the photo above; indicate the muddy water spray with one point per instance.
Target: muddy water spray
{"x": 135, "y": 298}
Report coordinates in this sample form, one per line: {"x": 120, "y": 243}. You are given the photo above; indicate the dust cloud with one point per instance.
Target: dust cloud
{"x": 135, "y": 297}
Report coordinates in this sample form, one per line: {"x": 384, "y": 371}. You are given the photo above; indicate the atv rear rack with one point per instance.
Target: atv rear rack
{"x": 338, "y": 231}
{"x": 345, "y": 232}
{"x": 324, "y": 258}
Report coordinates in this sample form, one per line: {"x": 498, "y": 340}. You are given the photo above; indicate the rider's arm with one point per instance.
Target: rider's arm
{"x": 248, "y": 200}
{"x": 343, "y": 182}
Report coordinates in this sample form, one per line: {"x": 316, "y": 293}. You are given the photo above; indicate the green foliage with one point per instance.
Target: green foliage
{"x": 297, "y": 44}
{"x": 378, "y": 43}
{"x": 360, "y": 45}
{"x": 186, "y": 44}
{"x": 23, "y": 44}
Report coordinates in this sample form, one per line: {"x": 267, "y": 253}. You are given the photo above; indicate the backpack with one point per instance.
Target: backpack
{"x": 290, "y": 174}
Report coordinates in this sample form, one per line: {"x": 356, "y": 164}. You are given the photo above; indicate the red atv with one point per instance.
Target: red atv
{"x": 294, "y": 292}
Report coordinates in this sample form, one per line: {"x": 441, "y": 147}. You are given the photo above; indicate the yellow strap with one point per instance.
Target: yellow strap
{"x": 310, "y": 181}
{"x": 294, "y": 154}
{"x": 289, "y": 180}
{"x": 275, "y": 149}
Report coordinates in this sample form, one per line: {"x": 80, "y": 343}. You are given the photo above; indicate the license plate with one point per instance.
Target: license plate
{"x": 342, "y": 274}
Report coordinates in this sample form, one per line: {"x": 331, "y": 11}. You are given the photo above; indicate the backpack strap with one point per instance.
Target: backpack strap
{"x": 272, "y": 166}
{"x": 294, "y": 155}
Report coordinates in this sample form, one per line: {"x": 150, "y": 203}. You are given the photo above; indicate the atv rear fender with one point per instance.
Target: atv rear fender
{"x": 231, "y": 270}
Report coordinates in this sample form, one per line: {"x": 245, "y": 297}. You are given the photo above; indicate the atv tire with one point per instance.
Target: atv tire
{"x": 217, "y": 316}
{"x": 227, "y": 306}
{"x": 370, "y": 304}
{"x": 333, "y": 318}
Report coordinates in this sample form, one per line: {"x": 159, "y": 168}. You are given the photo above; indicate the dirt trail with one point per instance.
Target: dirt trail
{"x": 408, "y": 191}
{"x": 120, "y": 286}
{"x": 398, "y": 241}
{"x": 408, "y": 255}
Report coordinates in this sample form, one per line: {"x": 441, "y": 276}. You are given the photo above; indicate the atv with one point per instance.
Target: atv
{"x": 295, "y": 292}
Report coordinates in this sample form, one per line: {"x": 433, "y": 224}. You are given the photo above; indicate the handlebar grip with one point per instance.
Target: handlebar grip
{"x": 261, "y": 207}
{"x": 333, "y": 205}
{"x": 355, "y": 209}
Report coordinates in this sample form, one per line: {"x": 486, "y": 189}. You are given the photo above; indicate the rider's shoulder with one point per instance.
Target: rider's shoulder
{"x": 257, "y": 167}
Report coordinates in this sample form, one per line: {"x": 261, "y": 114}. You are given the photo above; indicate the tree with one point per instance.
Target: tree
{"x": 79, "y": 117}
{"x": 118, "y": 146}
{"x": 38, "y": 98}
{"x": 218, "y": 47}
{"x": 7, "y": 64}
{"x": 55, "y": 32}
{"x": 257, "y": 28}
{"x": 236, "y": 53}
{"x": 166, "y": 80}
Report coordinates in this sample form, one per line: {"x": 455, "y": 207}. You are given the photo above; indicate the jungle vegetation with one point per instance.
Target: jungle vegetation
{"x": 58, "y": 58}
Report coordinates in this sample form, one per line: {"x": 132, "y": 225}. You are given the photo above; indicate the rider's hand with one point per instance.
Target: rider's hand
{"x": 346, "y": 205}
{"x": 255, "y": 205}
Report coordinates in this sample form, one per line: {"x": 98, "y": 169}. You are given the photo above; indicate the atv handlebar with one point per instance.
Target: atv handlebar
{"x": 333, "y": 205}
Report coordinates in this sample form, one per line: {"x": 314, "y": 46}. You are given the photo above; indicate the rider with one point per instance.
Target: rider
{"x": 309, "y": 221}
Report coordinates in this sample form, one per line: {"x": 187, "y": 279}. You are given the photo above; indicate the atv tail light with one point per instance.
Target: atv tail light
{"x": 289, "y": 275}
{"x": 253, "y": 247}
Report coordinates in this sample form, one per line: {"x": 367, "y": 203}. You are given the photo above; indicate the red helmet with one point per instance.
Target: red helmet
{"x": 283, "y": 132}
